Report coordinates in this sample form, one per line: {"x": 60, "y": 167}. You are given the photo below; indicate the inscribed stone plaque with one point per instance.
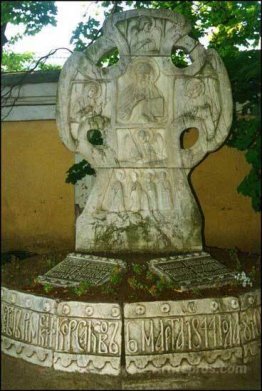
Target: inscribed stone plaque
{"x": 76, "y": 268}
{"x": 88, "y": 337}
{"x": 181, "y": 335}
{"x": 192, "y": 270}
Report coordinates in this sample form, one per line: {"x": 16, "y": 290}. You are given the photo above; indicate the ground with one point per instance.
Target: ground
{"x": 18, "y": 374}
{"x": 137, "y": 284}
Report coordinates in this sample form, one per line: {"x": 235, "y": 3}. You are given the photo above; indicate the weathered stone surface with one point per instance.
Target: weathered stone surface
{"x": 171, "y": 336}
{"x": 168, "y": 336}
{"x": 89, "y": 338}
{"x": 141, "y": 199}
{"x": 76, "y": 268}
{"x": 250, "y": 324}
{"x": 70, "y": 336}
{"x": 28, "y": 326}
{"x": 194, "y": 270}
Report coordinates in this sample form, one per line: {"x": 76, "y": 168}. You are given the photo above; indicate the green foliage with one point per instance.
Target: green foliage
{"x": 34, "y": 15}
{"x": 138, "y": 268}
{"x": 19, "y": 62}
{"x": 82, "y": 288}
{"x": 116, "y": 276}
{"x": 79, "y": 171}
{"x": 94, "y": 136}
{"x": 135, "y": 284}
{"x": 109, "y": 59}
{"x": 47, "y": 287}
{"x": 16, "y": 62}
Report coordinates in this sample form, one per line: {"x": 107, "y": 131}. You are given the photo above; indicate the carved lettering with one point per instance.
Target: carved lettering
{"x": 182, "y": 334}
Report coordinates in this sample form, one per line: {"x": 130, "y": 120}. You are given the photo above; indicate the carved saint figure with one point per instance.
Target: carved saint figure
{"x": 145, "y": 144}
{"x": 141, "y": 94}
{"x": 86, "y": 104}
{"x": 203, "y": 102}
{"x": 145, "y": 36}
{"x": 151, "y": 191}
{"x": 116, "y": 199}
{"x": 165, "y": 192}
{"x": 136, "y": 193}
{"x": 159, "y": 147}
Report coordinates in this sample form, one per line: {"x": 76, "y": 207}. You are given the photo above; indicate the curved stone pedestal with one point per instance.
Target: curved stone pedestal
{"x": 159, "y": 337}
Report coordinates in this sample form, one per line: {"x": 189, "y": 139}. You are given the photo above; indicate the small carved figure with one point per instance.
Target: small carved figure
{"x": 116, "y": 199}
{"x": 143, "y": 94}
{"x": 131, "y": 149}
{"x": 145, "y": 36}
{"x": 159, "y": 147}
{"x": 145, "y": 144}
{"x": 165, "y": 192}
{"x": 87, "y": 103}
{"x": 151, "y": 191}
{"x": 136, "y": 193}
{"x": 205, "y": 104}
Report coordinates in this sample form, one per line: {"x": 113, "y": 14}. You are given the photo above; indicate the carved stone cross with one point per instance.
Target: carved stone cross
{"x": 140, "y": 107}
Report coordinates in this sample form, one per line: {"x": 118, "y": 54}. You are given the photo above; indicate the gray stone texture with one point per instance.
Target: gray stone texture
{"x": 170, "y": 336}
{"x": 141, "y": 200}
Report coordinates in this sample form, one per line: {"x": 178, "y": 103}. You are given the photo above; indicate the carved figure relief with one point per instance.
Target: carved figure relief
{"x": 144, "y": 35}
{"x": 86, "y": 102}
{"x": 151, "y": 191}
{"x": 141, "y": 145}
{"x": 136, "y": 192}
{"x": 164, "y": 192}
{"x": 116, "y": 198}
{"x": 142, "y": 105}
{"x": 141, "y": 98}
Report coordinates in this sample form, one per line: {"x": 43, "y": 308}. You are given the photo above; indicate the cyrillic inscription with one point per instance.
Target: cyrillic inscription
{"x": 182, "y": 334}
{"x": 190, "y": 270}
{"x": 79, "y": 267}
{"x": 88, "y": 336}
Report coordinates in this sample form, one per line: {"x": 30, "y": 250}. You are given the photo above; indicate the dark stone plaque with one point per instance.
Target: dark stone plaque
{"x": 76, "y": 268}
{"x": 194, "y": 270}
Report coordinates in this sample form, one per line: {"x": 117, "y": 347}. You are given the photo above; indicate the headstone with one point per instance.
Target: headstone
{"x": 127, "y": 121}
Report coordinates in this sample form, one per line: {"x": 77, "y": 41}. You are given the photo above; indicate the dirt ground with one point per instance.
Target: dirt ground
{"x": 18, "y": 374}
{"x": 137, "y": 284}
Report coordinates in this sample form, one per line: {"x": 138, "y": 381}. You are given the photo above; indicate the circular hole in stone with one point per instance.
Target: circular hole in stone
{"x": 94, "y": 136}
{"x": 180, "y": 58}
{"x": 109, "y": 59}
{"x": 188, "y": 138}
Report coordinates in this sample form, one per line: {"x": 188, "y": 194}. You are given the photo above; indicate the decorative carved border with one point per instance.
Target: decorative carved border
{"x": 158, "y": 336}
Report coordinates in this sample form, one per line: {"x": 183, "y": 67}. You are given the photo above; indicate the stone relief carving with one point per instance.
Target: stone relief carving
{"x": 141, "y": 106}
{"x": 141, "y": 100}
{"x": 165, "y": 335}
{"x": 87, "y": 337}
{"x": 70, "y": 336}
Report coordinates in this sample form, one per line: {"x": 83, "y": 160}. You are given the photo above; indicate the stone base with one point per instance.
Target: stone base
{"x": 77, "y": 268}
{"x": 159, "y": 337}
{"x": 194, "y": 270}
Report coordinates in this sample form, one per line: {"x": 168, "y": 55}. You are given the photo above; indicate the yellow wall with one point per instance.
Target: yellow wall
{"x": 38, "y": 206}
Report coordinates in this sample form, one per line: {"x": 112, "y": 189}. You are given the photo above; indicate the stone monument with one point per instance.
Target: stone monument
{"x": 127, "y": 121}
{"x": 139, "y": 109}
